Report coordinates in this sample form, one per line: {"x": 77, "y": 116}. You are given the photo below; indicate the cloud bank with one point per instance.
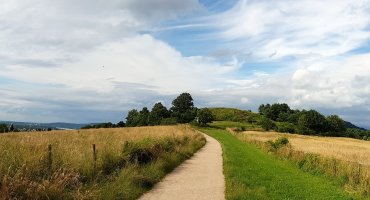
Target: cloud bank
{"x": 91, "y": 61}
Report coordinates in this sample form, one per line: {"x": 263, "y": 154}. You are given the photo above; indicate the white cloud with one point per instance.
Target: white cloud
{"x": 337, "y": 85}
{"x": 283, "y": 28}
{"x": 93, "y": 60}
{"x": 56, "y": 32}
{"x": 133, "y": 72}
{"x": 138, "y": 59}
{"x": 52, "y": 53}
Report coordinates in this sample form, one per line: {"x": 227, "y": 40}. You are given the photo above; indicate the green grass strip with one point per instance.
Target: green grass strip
{"x": 251, "y": 173}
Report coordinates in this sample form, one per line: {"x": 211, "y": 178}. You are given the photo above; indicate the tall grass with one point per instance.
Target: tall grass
{"x": 352, "y": 173}
{"x": 26, "y": 173}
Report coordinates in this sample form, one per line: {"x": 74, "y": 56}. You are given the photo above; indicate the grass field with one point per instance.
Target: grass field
{"x": 240, "y": 125}
{"x": 253, "y": 174}
{"x": 127, "y": 162}
{"x": 341, "y": 148}
{"x": 343, "y": 159}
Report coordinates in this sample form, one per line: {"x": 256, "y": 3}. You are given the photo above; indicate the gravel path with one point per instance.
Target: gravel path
{"x": 200, "y": 177}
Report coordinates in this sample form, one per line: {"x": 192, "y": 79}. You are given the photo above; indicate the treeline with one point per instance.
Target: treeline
{"x": 4, "y": 128}
{"x": 282, "y": 118}
{"x": 104, "y": 125}
{"x": 182, "y": 111}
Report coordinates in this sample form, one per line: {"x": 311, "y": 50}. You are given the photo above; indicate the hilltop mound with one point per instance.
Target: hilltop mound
{"x": 233, "y": 114}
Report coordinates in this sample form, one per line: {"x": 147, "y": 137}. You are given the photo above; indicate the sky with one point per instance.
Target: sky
{"x": 93, "y": 60}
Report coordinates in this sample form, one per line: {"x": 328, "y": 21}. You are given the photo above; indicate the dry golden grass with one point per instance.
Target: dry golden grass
{"x": 346, "y": 149}
{"x": 73, "y": 149}
{"x": 129, "y": 161}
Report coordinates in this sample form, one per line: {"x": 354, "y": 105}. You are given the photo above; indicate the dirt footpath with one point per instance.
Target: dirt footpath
{"x": 200, "y": 177}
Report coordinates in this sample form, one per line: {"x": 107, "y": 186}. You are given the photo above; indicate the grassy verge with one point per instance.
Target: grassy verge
{"x": 126, "y": 161}
{"x": 135, "y": 179}
{"x": 353, "y": 176}
{"x": 253, "y": 174}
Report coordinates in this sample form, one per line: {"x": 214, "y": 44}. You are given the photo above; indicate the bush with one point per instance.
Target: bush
{"x": 111, "y": 163}
{"x": 277, "y": 144}
{"x": 169, "y": 121}
{"x": 286, "y": 128}
{"x": 281, "y": 141}
{"x": 204, "y": 116}
{"x": 267, "y": 124}
{"x": 240, "y": 129}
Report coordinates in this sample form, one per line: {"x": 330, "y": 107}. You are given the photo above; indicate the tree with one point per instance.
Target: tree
{"x": 3, "y": 128}
{"x": 158, "y": 113}
{"x": 183, "y": 108}
{"x": 132, "y": 118}
{"x": 336, "y": 125}
{"x": 277, "y": 111}
{"x": 294, "y": 117}
{"x": 121, "y": 124}
{"x": 11, "y": 128}
{"x": 143, "y": 117}
{"x": 204, "y": 116}
{"x": 312, "y": 122}
{"x": 267, "y": 124}
{"x": 263, "y": 108}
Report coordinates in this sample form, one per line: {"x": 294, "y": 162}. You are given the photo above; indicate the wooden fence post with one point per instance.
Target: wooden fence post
{"x": 94, "y": 155}
{"x": 358, "y": 173}
{"x": 50, "y": 159}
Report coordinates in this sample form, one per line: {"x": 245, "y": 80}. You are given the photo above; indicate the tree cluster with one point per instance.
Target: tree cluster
{"x": 104, "y": 125}
{"x": 4, "y": 128}
{"x": 308, "y": 122}
{"x": 181, "y": 111}
{"x": 358, "y": 133}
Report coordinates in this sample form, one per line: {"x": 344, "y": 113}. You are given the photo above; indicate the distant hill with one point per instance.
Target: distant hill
{"x": 233, "y": 114}
{"x": 31, "y": 125}
{"x": 350, "y": 125}
{"x": 237, "y": 115}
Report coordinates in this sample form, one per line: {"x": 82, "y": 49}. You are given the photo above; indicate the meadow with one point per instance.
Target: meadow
{"x": 251, "y": 173}
{"x": 345, "y": 160}
{"x": 64, "y": 165}
{"x": 346, "y": 149}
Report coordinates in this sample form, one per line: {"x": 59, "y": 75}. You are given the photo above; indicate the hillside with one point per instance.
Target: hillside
{"x": 280, "y": 118}
{"x": 235, "y": 115}
{"x": 350, "y": 125}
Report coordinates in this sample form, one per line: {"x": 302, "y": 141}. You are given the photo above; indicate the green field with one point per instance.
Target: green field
{"x": 251, "y": 173}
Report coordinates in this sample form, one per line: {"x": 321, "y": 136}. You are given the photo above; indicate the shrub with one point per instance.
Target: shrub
{"x": 204, "y": 116}
{"x": 240, "y": 128}
{"x": 277, "y": 144}
{"x": 286, "y": 128}
{"x": 281, "y": 141}
{"x": 267, "y": 124}
{"x": 169, "y": 121}
{"x": 111, "y": 163}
